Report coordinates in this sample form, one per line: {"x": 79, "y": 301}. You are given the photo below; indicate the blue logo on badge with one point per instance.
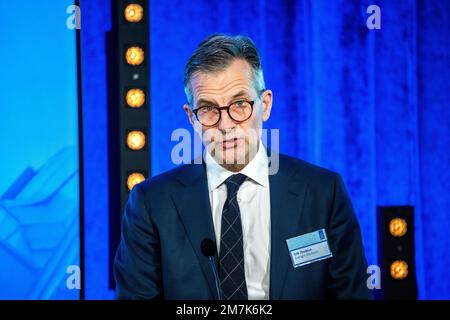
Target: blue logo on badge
{"x": 321, "y": 235}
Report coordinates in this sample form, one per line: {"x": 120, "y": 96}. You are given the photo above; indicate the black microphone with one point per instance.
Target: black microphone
{"x": 208, "y": 248}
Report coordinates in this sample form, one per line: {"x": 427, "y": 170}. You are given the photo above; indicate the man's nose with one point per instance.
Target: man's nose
{"x": 225, "y": 123}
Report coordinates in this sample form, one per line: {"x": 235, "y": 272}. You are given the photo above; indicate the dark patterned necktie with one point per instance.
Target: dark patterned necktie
{"x": 231, "y": 257}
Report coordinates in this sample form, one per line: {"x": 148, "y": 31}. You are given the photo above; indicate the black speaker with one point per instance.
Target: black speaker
{"x": 396, "y": 256}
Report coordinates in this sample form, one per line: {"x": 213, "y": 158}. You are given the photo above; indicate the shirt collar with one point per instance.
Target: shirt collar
{"x": 257, "y": 169}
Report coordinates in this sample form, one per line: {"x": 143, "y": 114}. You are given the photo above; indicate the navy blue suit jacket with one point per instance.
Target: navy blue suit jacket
{"x": 167, "y": 217}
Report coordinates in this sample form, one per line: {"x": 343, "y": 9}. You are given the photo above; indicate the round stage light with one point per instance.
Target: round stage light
{"x": 398, "y": 227}
{"x": 134, "y": 56}
{"x": 134, "y": 179}
{"x": 136, "y": 140}
{"x": 134, "y": 12}
{"x": 135, "y": 98}
{"x": 399, "y": 269}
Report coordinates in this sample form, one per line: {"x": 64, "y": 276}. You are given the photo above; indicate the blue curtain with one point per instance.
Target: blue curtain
{"x": 96, "y": 20}
{"x": 370, "y": 104}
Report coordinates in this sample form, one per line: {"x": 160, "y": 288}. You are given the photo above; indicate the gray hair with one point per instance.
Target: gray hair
{"x": 216, "y": 53}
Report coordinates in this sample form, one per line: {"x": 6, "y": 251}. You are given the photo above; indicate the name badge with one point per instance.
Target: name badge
{"x": 309, "y": 248}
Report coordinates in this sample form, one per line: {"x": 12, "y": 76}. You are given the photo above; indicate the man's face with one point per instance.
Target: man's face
{"x": 232, "y": 144}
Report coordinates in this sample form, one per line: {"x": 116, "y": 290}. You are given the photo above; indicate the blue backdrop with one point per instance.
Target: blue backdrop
{"x": 39, "y": 183}
{"x": 370, "y": 104}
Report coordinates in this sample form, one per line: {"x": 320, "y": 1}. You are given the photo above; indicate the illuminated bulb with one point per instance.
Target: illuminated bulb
{"x": 136, "y": 140}
{"x": 399, "y": 269}
{"x": 135, "y": 98}
{"x": 398, "y": 227}
{"x": 134, "y": 56}
{"x": 134, "y": 179}
{"x": 134, "y": 12}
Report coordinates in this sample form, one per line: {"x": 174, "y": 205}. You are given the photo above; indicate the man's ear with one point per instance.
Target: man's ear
{"x": 189, "y": 113}
{"x": 267, "y": 104}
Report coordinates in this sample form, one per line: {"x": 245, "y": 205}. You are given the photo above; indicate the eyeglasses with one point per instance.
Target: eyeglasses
{"x": 238, "y": 111}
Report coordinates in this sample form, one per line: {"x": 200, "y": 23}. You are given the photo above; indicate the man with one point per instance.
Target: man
{"x": 228, "y": 228}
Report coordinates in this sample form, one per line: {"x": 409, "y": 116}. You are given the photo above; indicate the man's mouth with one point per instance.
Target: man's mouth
{"x": 230, "y": 143}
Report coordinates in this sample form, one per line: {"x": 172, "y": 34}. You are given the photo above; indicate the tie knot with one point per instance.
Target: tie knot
{"x": 234, "y": 182}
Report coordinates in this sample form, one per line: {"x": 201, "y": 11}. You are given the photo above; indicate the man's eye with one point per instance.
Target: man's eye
{"x": 207, "y": 108}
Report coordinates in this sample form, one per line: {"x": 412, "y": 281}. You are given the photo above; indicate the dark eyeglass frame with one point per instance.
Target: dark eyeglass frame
{"x": 218, "y": 108}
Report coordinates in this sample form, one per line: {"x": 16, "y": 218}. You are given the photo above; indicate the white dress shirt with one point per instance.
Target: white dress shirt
{"x": 254, "y": 203}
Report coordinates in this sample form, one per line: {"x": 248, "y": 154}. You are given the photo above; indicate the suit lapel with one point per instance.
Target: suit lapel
{"x": 286, "y": 203}
{"x": 194, "y": 209}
